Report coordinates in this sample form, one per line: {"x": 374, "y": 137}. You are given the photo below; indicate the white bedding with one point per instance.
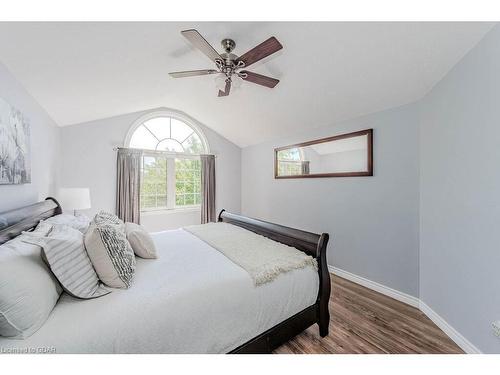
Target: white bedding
{"x": 192, "y": 299}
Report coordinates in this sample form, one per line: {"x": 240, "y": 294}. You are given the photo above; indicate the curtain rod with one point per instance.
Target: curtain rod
{"x": 161, "y": 152}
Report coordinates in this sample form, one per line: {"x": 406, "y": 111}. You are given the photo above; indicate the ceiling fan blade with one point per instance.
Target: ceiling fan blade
{"x": 199, "y": 42}
{"x": 266, "y": 48}
{"x": 259, "y": 79}
{"x": 227, "y": 89}
{"x": 192, "y": 73}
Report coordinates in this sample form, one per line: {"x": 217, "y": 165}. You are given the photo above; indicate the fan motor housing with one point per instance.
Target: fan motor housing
{"x": 228, "y": 57}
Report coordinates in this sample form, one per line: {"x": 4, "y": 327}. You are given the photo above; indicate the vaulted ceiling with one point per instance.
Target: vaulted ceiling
{"x": 328, "y": 71}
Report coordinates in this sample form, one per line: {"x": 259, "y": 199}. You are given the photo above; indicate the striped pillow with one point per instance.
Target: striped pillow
{"x": 64, "y": 252}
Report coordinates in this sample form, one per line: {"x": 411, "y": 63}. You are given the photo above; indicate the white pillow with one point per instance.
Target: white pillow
{"x": 79, "y": 222}
{"x": 28, "y": 290}
{"x": 141, "y": 241}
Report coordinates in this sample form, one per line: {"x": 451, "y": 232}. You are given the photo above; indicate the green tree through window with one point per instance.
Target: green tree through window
{"x": 187, "y": 182}
{"x": 154, "y": 182}
{"x": 289, "y": 162}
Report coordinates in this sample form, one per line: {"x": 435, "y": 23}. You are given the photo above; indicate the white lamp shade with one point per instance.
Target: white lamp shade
{"x": 74, "y": 198}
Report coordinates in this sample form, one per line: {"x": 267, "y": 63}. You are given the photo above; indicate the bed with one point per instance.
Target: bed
{"x": 191, "y": 300}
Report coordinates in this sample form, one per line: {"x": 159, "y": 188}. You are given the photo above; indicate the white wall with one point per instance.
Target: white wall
{"x": 89, "y": 161}
{"x": 162, "y": 220}
{"x": 373, "y": 221}
{"x": 460, "y": 195}
{"x": 44, "y": 147}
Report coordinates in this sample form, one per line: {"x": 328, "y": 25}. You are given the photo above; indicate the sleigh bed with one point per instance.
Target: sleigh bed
{"x": 190, "y": 300}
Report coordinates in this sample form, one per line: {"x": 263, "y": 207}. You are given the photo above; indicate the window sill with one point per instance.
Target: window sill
{"x": 171, "y": 211}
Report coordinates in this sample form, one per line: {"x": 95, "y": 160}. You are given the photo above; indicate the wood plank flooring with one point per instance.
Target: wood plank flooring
{"x": 364, "y": 321}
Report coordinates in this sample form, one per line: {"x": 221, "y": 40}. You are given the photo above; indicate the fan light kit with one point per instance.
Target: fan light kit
{"x": 229, "y": 64}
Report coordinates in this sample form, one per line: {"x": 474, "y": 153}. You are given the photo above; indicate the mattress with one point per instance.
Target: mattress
{"x": 192, "y": 299}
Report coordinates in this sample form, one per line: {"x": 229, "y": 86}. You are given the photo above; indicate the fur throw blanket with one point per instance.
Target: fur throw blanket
{"x": 262, "y": 258}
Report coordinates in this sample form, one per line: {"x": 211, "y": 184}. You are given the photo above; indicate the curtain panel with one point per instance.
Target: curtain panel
{"x": 208, "y": 213}
{"x": 304, "y": 167}
{"x": 128, "y": 184}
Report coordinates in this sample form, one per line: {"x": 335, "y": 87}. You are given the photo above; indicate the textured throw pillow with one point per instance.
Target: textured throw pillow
{"x": 104, "y": 217}
{"x": 141, "y": 241}
{"x": 79, "y": 222}
{"x": 64, "y": 252}
{"x": 28, "y": 290}
{"x": 111, "y": 254}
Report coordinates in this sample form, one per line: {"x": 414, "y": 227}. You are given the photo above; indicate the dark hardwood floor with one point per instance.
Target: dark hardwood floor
{"x": 364, "y": 321}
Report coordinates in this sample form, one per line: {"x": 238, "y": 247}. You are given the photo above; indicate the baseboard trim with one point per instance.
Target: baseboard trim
{"x": 451, "y": 332}
{"x": 393, "y": 293}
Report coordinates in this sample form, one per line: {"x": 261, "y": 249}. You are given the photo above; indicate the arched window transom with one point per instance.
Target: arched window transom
{"x": 167, "y": 134}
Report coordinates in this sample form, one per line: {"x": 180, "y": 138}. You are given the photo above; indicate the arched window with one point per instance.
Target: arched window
{"x": 164, "y": 133}
{"x": 171, "y": 170}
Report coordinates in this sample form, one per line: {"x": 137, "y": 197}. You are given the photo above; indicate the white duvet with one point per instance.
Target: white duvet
{"x": 191, "y": 300}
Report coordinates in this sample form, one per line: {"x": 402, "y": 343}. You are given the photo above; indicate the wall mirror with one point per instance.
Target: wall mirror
{"x": 345, "y": 155}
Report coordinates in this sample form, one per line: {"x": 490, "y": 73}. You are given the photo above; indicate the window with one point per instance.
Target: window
{"x": 290, "y": 162}
{"x": 154, "y": 182}
{"x": 171, "y": 168}
{"x": 187, "y": 182}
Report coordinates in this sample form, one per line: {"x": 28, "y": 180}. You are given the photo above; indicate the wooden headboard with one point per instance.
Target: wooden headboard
{"x": 14, "y": 222}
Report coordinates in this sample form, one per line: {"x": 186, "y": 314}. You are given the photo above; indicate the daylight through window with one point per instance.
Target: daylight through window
{"x": 290, "y": 162}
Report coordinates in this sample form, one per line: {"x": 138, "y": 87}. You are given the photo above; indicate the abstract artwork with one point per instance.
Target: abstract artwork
{"x": 15, "y": 162}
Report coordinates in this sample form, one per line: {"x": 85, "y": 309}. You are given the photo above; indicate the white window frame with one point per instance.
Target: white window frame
{"x": 171, "y": 156}
{"x": 173, "y": 114}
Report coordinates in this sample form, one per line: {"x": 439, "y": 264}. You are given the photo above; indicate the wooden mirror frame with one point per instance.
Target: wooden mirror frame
{"x": 369, "y": 156}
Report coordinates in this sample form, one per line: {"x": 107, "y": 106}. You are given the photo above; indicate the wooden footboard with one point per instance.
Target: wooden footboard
{"x": 311, "y": 244}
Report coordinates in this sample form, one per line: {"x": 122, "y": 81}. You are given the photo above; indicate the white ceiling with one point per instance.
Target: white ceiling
{"x": 329, "y": 71}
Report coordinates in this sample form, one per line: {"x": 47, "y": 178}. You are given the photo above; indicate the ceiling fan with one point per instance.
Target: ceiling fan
{"x": 228, "y": 63}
